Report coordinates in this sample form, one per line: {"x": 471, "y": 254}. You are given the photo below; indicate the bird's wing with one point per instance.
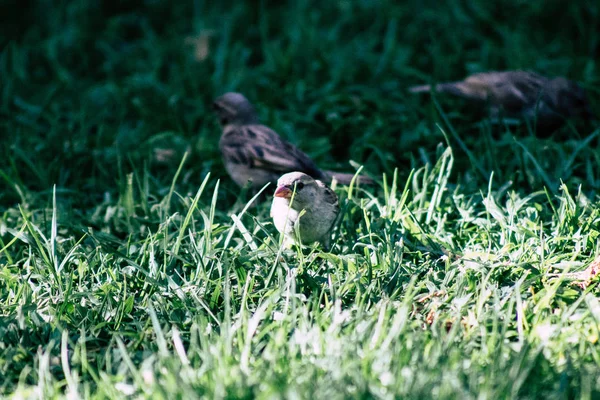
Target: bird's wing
{"x": 509, "y": 89}
{"x": 329, "y": 195}
{"x": 515, "y": 90}
{"x": 331, "y": 199}
{"x": 258, "y": 146}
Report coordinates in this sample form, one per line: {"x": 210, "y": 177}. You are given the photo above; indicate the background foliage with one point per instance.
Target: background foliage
{"x": 123, "y": 271}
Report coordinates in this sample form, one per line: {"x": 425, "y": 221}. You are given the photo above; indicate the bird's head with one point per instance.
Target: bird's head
{"x": 234, "y": 108}
{"x": 298, "y": 185}
{"x": 570, "y": 98}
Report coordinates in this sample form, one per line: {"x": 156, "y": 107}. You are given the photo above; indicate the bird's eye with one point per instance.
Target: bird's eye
{"x": 299, "y": 186}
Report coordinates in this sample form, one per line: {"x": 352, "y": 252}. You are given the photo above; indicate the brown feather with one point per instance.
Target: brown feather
{"x": 329, "y": 195}
{"x": 265, "y": 154}
{"x": 519, "y": 93}
{"x": 256, "y": 153}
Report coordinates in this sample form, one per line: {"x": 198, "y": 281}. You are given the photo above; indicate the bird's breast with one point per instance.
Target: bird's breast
{"x": 284, "y": 217}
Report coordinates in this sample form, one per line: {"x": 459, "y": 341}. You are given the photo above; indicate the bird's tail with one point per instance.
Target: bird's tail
{"x": 460, "y": 88}
{"x": 420, "y": 89}
{"x": 345, "y": 179}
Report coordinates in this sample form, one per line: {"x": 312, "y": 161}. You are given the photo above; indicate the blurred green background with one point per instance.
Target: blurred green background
{"x": 91, "y": 90}
{"x": 460, "y": 275}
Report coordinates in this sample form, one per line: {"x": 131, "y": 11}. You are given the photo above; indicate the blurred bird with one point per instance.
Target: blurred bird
{"x": 304, "y": 209}
{"x": 257, "y": 154}
{"x": 520, "y": 94}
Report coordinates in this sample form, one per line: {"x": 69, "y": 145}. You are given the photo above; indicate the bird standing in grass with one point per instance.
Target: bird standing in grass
{"x": 304, "y": 209}
{"x": 520, "y": 94}
{"x": 257, "y": 154}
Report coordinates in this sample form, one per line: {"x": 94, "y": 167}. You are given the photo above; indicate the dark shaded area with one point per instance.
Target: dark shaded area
{"x": 103, "y": 98}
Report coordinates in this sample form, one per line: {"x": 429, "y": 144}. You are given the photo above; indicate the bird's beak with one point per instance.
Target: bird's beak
{"x": 216, "y": 106}
{"x": 283, "y": 191}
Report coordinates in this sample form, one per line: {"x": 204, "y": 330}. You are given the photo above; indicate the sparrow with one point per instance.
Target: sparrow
{"x": 520, "y": 94}
{"x": 255, "y": 153}
{"x": 304, "y": 209}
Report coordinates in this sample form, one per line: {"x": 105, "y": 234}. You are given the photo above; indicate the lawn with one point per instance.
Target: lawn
{"x": 132, "y": 265}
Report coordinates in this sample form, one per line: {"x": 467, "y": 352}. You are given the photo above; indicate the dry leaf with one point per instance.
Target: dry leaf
{"x": 430, "y": 317}
{"x": 589, "y": 274}
{"x": 585, "y": 277}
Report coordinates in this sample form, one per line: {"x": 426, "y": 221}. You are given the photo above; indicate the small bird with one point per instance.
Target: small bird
{"x": 257, "y": 154}
{"x": 520, "y": 94}
{"x": 304, "y": 209}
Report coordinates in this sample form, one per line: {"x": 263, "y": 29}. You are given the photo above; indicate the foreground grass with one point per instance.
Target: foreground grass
{"x": 457, "y": 276}
{"x": 428, "y": 292}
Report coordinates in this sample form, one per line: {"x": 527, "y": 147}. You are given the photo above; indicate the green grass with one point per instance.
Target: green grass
{"x": 455, "y": 277}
